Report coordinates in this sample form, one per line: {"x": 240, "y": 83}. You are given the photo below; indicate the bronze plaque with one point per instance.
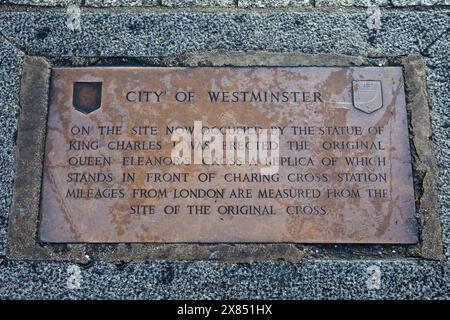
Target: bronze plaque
{"x": 262, "y": 154}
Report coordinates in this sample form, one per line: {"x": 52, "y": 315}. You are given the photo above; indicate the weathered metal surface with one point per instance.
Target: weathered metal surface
{"x": 346, "y": 114}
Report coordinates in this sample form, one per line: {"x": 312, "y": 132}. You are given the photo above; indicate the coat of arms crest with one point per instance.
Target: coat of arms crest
{"x": 367, "y": 95}
{"x": 87, "y": 96}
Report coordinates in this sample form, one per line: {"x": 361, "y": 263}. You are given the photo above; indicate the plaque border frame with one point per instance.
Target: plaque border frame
{"x": 23, "y": 242}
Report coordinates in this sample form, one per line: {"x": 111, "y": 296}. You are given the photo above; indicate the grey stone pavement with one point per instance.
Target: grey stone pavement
{"x": 170, "y": 28}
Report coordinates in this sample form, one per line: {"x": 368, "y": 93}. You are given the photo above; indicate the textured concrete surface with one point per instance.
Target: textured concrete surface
{"x": 365, "y": 3}
{"x": 9, "y": 100}
{"x": 272, "y": 3}
{"x": 230, "y": 3}
{"x": 119, "y": 3}
{"x": 209, "y": 280}
{"x": 160, "y": 34}
{"x": 351, "y": 3}
{"x": 47, "y": 3}
{"x": 198, "y": 3}
{"x": 405, "y": 3}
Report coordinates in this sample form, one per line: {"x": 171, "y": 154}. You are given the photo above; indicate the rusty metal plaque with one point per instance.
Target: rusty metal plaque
{"x": 257, "y": 154}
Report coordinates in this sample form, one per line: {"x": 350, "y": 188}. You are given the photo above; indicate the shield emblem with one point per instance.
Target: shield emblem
{"x": 367, "y": 95}
{"x": 87, "y": 96}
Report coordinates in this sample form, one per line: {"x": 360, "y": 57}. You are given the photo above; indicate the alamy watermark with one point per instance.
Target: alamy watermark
{"x": 227, "y": 146}
{"x": 73, "y": 277}
{"x": 373, "y": 21}
{"x": 73, "y": 21}
{"x": 373, "y": 281}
